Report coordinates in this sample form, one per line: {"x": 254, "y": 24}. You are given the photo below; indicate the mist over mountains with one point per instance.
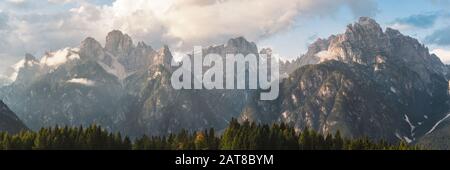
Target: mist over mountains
{"x": 364, "y": 82}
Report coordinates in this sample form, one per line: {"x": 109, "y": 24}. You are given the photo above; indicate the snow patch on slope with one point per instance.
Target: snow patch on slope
{"x": 115, "y": 68}
{"x": 404, "y": 138}
{"x": 409, "y": 123}
{"x": 407, "y": 139}
{"x": 393, "y": 90}
{"x": 437, "y": 124}
{"x": 398, "y": 136}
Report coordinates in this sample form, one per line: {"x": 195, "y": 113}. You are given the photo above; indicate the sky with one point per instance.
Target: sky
{"x": 288, "y": 26}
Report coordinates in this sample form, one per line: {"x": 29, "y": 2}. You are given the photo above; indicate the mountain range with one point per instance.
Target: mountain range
{"x": 364, "y": 82}
{"x": 121, "y": 86}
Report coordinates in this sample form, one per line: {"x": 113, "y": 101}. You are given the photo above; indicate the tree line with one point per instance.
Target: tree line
{"x": 237, "y": 136}
{"x": 65, "y": 138}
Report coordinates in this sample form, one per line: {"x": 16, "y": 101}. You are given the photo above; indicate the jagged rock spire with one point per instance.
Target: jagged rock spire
{"x": 163, "y": 57}
{"x": 30, "y": 57}
{"x": 91, "y": 49}
{"x": 118, "y": 43}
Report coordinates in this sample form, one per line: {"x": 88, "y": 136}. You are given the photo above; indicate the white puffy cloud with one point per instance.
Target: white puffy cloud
{"x": 184, "y": 23}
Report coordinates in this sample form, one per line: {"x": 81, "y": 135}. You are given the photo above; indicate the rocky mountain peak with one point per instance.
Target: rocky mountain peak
{"x": 241, "y": 45}
{"x": 142, "y": 45}
{"x": 238, "y": 45}
{"x": 143, "y": 48}
{"x": 392, "y": 32}
{"x": 89, "y": 41}
{"x": 91, "y": 49}
{"x": 30, "y": 61}
{"x": 319, "y": 45}
{"x": 365, "y": 25}
{"x": 118, "y": 43}
{"x": 267, "y": 51}
{"x": 364, "y": 42}
{"x": 366, "y": 33}
{"x": 29, "y": 57}
{"x": 368, "y": 23}
{"x": 163, "y": 57}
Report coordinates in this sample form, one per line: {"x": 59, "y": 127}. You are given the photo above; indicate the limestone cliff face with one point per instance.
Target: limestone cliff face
{"x": 364, "y": 42}
{"x": 132, "y": 57}
{"x": 119, "y": 44}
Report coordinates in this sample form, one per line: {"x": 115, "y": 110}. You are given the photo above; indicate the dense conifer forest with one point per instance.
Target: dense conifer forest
{"x": 238, "y": 136}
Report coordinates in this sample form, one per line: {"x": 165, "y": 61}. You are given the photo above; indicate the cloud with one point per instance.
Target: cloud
{"x": 420, "y": 21}
{"x": 184, "y": 23}
{"x": 364, "y": 8}
{"x": 20, "y": 4}
{"x": 60, "y": 1}
{"x": 81, "y": 1}
{"x": 17, "y": 2}
{"x": 439, "y": 37}
{"x": 60, "y": 57}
